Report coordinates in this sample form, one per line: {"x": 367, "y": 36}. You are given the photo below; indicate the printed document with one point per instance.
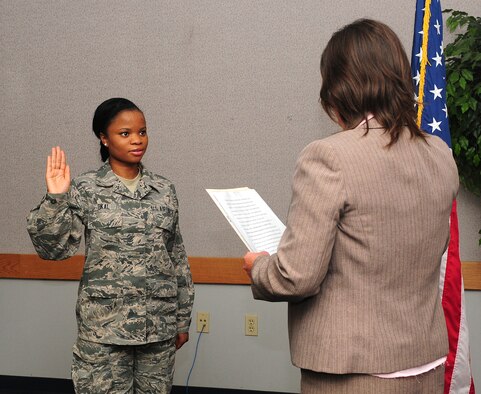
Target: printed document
{"x": 253, "y": 220}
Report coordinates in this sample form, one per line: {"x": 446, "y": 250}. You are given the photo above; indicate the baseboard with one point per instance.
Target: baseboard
{"x": 33, "y": 385}
{"x": 28, "y": 384}
{"x": 212, "y": 390}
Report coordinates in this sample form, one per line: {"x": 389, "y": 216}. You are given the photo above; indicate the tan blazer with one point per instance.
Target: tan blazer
{"x": 359, "y": 261}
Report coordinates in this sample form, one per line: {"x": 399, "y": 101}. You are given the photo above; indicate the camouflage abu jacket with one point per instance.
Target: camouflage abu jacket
{"x": 136, "y": 285}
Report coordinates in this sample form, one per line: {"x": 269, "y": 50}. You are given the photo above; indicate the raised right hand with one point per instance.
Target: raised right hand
{"x": 58, "y": 172}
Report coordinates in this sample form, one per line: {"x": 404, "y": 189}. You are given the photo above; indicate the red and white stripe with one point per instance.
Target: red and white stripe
{"x": 457, "y": 379}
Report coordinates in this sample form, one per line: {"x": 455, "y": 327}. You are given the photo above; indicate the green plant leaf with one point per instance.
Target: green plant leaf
{"x": 463, "y": 143}
{"x": 468, "y": 75}
{"x": 473, "y": 104}
{"x": 463, "y": 95}
{"x": 454, "y": 77}
{"x": 457, "y": 149}
{"x": 476, "y": 160}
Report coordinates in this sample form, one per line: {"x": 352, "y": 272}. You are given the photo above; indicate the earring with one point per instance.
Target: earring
{"x": 105, "y": 144}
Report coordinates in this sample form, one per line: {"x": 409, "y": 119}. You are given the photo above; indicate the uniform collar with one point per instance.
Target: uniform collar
{"x": 107, "y": 178}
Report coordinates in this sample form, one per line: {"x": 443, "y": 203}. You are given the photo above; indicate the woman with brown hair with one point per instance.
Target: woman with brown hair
{"x": 367, "y": 225}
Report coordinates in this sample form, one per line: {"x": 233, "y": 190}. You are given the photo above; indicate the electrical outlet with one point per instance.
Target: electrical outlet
{"x": 203, "y": 320}
{"x": 251, "y": 326}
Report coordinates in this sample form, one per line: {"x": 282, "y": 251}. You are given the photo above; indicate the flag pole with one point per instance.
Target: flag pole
{"x": 424, "y": 59}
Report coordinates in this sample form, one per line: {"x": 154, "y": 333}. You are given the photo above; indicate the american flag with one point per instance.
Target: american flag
{"x": 429, "y": 77}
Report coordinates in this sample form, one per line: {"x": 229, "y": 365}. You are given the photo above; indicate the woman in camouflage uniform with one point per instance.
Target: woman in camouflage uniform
{"x": 136, "y": 293}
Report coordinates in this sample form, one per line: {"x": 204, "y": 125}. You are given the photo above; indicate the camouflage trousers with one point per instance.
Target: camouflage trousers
{"x": 115, "y": 369}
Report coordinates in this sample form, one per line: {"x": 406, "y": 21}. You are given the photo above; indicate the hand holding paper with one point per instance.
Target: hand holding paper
{"x": 253, "y": 220}
{"x": 249, "y": 259}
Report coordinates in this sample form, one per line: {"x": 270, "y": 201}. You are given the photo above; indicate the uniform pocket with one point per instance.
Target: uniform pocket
{"x": 100, "y": 306}
{"x": 163, "y": 235}
{"x": 164, "y": 219}
{"x": 104, "y": 228}
{"x": 163, "y": 303}
{"x": 163, "y": 289}
{"x": 104, "y": 219}
{"x": 105, "y": 291}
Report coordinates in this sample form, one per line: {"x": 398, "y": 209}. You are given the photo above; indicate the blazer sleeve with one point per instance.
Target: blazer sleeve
{"x": 297, "y": 270}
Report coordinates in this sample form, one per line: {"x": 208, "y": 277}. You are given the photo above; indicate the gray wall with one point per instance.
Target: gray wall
{"x": 229, "y": 90}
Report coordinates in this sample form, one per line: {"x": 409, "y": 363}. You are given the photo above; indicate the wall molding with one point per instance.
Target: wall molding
{"x": 471, "y": 275}
{"x": 205, "y": 270}
{"x": 214, "y": 270}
